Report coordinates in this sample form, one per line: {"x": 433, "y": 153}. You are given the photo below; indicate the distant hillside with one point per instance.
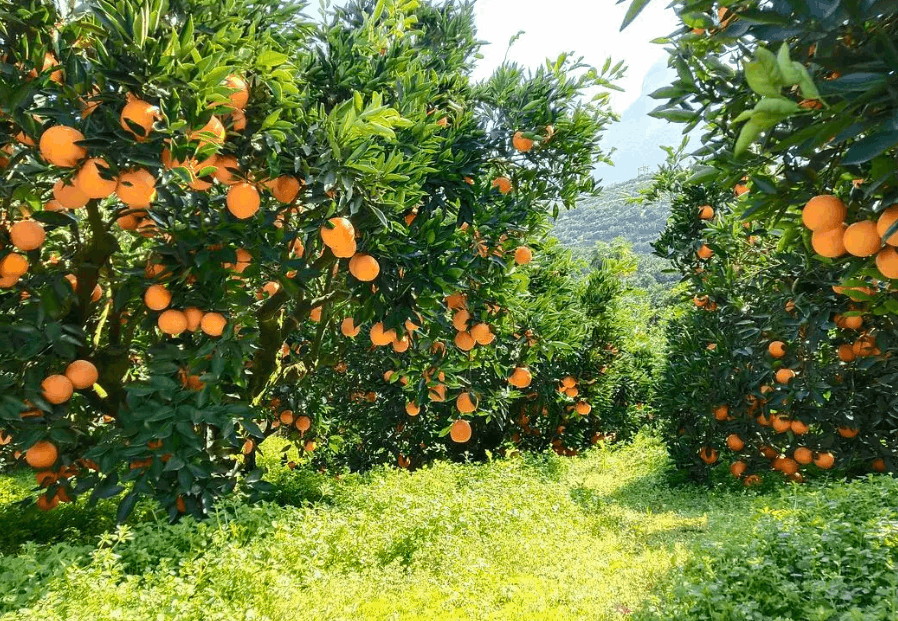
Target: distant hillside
{"x": 611, "y": 215}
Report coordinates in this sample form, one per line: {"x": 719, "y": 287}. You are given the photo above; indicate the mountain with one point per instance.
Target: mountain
{"x": 637, "y": 137}
{"x": 613, "y": 214}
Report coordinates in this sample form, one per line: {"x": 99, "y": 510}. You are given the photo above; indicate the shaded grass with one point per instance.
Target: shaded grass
{"x": 535, "y": 538}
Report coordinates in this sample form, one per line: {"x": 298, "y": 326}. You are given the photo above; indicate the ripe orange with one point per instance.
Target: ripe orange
{"x": 464, "y": 341}
{"x": 582, "y": 408}
{"x": 886, "y": 220}
{"x": 571, "y": 392}
{"x": 69, "y": 196}
{"x": 456, "y": 301}
{"x": 460, "y": 431}
{"x": 401, "y": 345}
{"x": 339, "y": 235}
{"x": 777, "y": 349}
{"x": 437, "y": 393}
{"x": 82, "y": 374}
{"x": 846, "y": 353}
{"x": 787, "y": 466}
{"x": 520, "y": 377}
{"x": 243, "y": 200}
{"x": 824, "y": 213}
{"x": 523, "y": 255}
{"x": 57, "y": 146}
{"x": 482, "y": 334}
{"x": 848, "y": 432}
{"x": 42, "y": 455}
{"x": 887, "y": 262}
{"x": 194, "y": 317}
{"x": 705, "y": 212}
{"x": 227, "y": 169}
{"x": 864, "y": 346}
{"x": 704, "y": 252}
{"x": 784, "y": 376}
{"x": 285, "y": 188}
{"x": 213, "y": 324}
{"x": 364, "y": 267}
{"x": 466, "y": 402}
{"x": 780, "y": 424}
{"x": 213, "y": 132}
{"x": 157, "y": 297}
{"x": 829, "y": 243}
{"x": 861, "y": 239}
{"x": 521, "y": 143}
{"x": 136, "y": 189}
{"x": 381, "y": 337}
{"x": 140, "y": 113}
{"x": 708, "y": 455}
{"x": 735, "y": 443}
{"x": 27, "y": 235}
{"x": 503, "y": 183}
{"x": 239, "y": 97}
{"x": 803, "y": 455}
{"x": 855, "y": 322}
{"x": 57, "y": 389}
{"x": 91, "y": 181}
{"x": 824, "y": 461}
{"x": 569, "y": 381}
{"x": 878, "y": 465}
{"x": 13, "y": 266}
{"x": 799, "y": 428}
{"x": 737, "y": 469}
{"x": 315, "y": 314}
{"x": 752, "y": 480}
{"x": 722, "y": 412}
{"x": 348, "y": 328}
{"x": 172, "y": 322}
{"x": 303, "y": 423}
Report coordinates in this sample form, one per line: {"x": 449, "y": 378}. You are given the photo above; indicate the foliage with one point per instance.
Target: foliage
{"x": 370, "y": 116}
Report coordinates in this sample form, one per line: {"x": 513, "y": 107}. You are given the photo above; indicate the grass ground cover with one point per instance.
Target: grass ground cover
{"x": 541, "y": 538}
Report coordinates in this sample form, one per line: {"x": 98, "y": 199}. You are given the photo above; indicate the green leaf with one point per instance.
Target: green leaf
{"x": 791, "y": 76}
{"x": 633, "y": 12}
{"x": 805, "y": 83}
{"x": 759, "y": 80}
{"x": 867, "y": 148}
{"x": 747, "y": 135}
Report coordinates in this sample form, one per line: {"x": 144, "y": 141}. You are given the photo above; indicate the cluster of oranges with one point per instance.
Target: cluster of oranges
{"x": 173, "y": 322}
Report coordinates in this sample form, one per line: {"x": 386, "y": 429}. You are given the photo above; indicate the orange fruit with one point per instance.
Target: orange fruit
{"x": 861, "y": 239}
{"x": 704, "y": 252}
{"x": 128, "y": 222}
{"x": 829, "y": 243}
{"x": 460, "y": 320}
{"x": 464, "y": 341}
{"x": 27, "y": 235}
{"x": 213, "y": 132}
{"x": 227, "y": 169}
{"x": 243, "y": 200}
{"x": 803, "y": 455}
{"x": 852, "y": 323}
{"x": 582, "y": 408}
{"x": 823, "y": 213}
{"x": 788, "y": 466}
{"x": 42, "y": 455}
{"x": 721, "y": 412}
{"x": 271, "y": 287}
{"x": 303, "y": 423}
{"x": 348, "y": 328}
{"x": 13, "y": 266}
{"x": 520, "y": 377}
{"x": 238, "y": 120}
{"x": 285, "y": 188}
{"x": 864, "y": 346}
{"x": 213, "y": 324}
{"x": 521, "y": 143}
{"x": 503, "y": 184}
{"x": 381, "y": 337}
{"x": 91, "y": 181}
{"x": 752, "y": 480}
{"x": 460, "y": 431}
{"x": 878, "y": 465}
{"x": 194, "y": 317}
{"x": 784, "y": 376}
{"x": 569, "y": 381}
{"x": 846, "y": 353}
{"x": 141, "y": 114}
{"x": 69, "y": 196}
{"x": 737, "y": 469}
{"x": 172, "y": 322}
{"x": 286, "y": 417}
{"x": 735, "y": 443}
{"x": 705, "y": 212}
{"x": 466, "y": 403}
{"x": 364, "y": 267}
{"x": 57, "y": 389}
{"x": 779, "y": 424}
{"x": 799, "y": 428}
{"x": 523, "y": 255}
{"x": 239, "y": 96}
{"x": 777, "y": 349}
{"x": 848, "y": 432}
{"x": 437, "y": 393}
{"x": 482, "y": 334}
{"x": 57, "y": 146}
{"x": 315, "y": 314}
{"x": 339, "y": 235}
{"x": 401, "y": 345}
{"x": 7, "y": 282}
{"x": 824, "y": 461}
{"x": 157, "y": 297}
{"x": 708, "y": 455}
{"x": 886, "y": 219}
{"x": 887, "y": 262}
{"x": 136, "y": 189}
{"x": 82, "y": 374}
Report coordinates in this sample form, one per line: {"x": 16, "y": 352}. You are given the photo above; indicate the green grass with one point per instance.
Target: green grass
{"x": 535, "y": 538}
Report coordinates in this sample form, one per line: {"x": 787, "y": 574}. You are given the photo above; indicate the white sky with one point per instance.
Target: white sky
{"x": 590, "y": 28}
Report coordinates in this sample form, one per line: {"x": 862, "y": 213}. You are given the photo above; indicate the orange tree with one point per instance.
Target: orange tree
{"x": 790, "y": 355}
{"x": 193, "y": 188}
{"x": 544, "y": 377}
